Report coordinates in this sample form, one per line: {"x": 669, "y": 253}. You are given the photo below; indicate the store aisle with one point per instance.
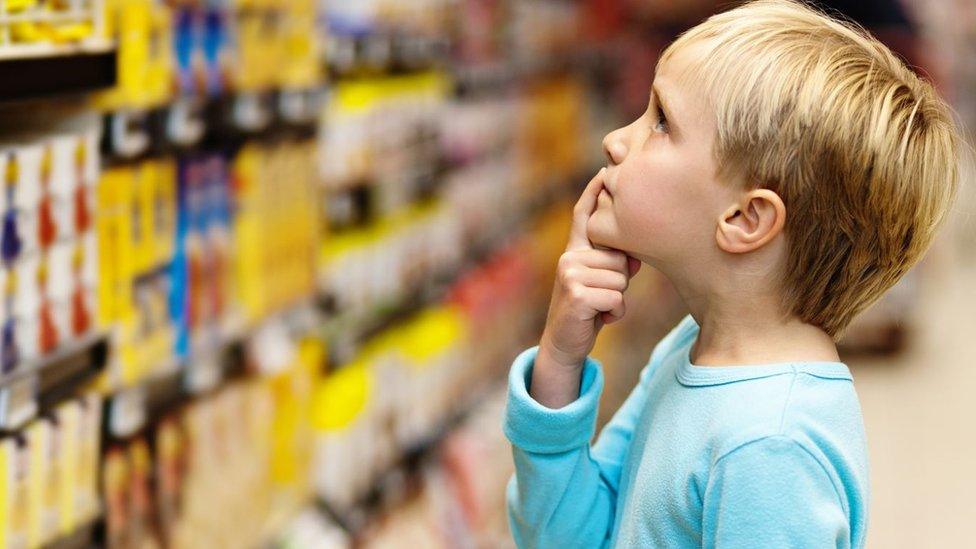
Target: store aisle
{"x": 918, "y": 411}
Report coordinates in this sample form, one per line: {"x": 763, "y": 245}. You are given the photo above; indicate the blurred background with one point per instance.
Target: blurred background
{"x": 265, "y": 265}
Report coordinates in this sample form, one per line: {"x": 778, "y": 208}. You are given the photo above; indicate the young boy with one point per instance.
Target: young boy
{"x": 788, "y": 170}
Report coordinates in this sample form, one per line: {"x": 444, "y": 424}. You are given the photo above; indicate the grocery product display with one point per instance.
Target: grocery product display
{"x": 48, "y": 245}
{"x": 305, "y": 236}
{"x": 49, "y": 484}
{"x": 38, "y": 24}
{"x": 264, "y": 274}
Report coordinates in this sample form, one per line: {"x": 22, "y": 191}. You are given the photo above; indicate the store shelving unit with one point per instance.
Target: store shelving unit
{"x": 141, "y": 398}
{"x": 47, "y": 52}
{"x": 131, "y": 409}
{"x": 393, "y": 484}
{"x": 43, "y": 383}
{"x": 47, "y": 72}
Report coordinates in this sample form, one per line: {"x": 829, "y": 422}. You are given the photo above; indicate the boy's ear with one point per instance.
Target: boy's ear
{"x": 752, "y": 222}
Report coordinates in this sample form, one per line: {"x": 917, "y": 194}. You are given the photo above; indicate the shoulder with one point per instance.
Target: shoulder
{"x": 778, "y": 490}
{"x": 775, "y": 479}
{"x": 818, "y": 444}
{"x": 761, "y": 449}
{"x": 795, "y": 413}
{"x": 820, "y": 413}
{"x": 778, "y": 461}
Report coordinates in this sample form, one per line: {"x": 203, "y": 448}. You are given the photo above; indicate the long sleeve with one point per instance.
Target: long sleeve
{"x": 772, "y": 492}
{"x": 563, "y": 492}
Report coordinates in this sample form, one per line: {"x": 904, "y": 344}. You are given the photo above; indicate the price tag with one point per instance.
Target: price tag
{"x": 185, "y": 125}
{"x": 203, "y": 374}
{"x": 18, "y": 402}
{"x": 250, "y": 112}
{"x": 297, "y": 106}
{"x": 128, "y": 412}
{"x": 129, "y": 136}
{"x": 378, "y": 50}
{"x": 342, "y": 52}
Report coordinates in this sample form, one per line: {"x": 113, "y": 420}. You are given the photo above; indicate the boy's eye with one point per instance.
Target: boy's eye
{"x": 661, "y": 125}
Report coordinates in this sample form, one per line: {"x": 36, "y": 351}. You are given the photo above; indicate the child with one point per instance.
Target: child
{"x": 788, "y": 170}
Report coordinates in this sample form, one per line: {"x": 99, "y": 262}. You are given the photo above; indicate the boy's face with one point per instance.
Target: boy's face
{"x": 662, "y": 198}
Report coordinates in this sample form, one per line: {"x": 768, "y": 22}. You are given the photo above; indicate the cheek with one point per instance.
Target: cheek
{"x": 654, "y": 198}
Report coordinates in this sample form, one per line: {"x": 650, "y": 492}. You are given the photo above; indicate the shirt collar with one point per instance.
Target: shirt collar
{"x": 692, "y": 375}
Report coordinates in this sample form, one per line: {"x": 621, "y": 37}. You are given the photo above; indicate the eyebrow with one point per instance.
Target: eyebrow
{"x": 664, "y": 107}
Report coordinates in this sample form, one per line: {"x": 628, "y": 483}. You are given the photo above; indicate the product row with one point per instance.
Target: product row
{"x": 220, "y": 469}
{"x": 48, "y": 245}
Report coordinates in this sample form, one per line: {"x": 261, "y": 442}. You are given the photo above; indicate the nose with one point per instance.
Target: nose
{"x": 615, "y": 147}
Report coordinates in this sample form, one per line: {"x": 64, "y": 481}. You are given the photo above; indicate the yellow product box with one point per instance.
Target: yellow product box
{"x": 142, "y": 30}
{"x": 69, "y": 427}
{"x": 123, "y": 366}
{"x": 432, "y": 333}
{"x": 301, "y": 61}
{"x": 141, "y": 217}
{"x": 14, "y": 472}
{"x": 106, "y": 232}
{"x": 248, "y": 232}
{"x": 341, "y": 403}
{"x": 291, "y": 433}
{"x": 164, "y": 210}
{"x": 89, "y": 449}
{"x": 258, "y": 53}
{"x": 301, "y": 210}
{"x": 116, "y": 261}
{"x": 40, "y": 530}
{"x": 342, "y": 396}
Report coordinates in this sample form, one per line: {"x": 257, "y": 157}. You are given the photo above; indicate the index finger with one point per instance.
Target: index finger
{"x": 582, "y": 211}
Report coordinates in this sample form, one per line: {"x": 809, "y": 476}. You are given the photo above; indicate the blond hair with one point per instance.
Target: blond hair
{"x": 862, "y": 151}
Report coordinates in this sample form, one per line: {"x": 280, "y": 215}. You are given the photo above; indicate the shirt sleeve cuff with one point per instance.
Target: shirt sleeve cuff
{"x": 538, "y": 429}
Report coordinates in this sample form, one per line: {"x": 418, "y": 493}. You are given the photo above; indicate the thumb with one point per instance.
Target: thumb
{"x": 582, "y": 211}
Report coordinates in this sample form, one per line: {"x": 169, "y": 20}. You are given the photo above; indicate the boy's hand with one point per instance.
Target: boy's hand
{"x": 589, "y": 289}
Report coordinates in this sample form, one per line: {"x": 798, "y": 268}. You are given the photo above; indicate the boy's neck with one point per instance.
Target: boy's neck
{"x": 749, "y": 333}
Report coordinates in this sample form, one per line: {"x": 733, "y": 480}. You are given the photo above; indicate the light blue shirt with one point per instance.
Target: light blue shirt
{"x": 771, "y": 455}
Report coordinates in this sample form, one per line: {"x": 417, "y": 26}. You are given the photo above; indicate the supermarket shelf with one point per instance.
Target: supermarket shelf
{"x": 43, "y": 72}
{"x": 81, "y": 538}
{"x": 496, "y": 76}
{"x": 43, "y": 384}
{"x": 402, "y": 474}
{"x": 188, "y": 121}
{"x": 131, "y": 409}
{"x": 23, "y": 51}
{"x": 354, "y": 53}
{"x": 347, "y": 331}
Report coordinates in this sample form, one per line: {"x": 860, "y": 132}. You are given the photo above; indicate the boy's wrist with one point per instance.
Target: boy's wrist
{"x": 554, "y": 383}
{"x": 551, "y": 354}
